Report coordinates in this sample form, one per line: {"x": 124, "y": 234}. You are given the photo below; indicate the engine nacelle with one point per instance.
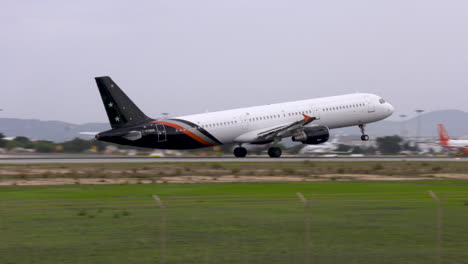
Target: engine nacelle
{"x": 313, "y": 135}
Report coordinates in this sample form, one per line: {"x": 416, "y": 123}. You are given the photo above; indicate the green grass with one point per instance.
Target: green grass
{"x": 349, "y": 222}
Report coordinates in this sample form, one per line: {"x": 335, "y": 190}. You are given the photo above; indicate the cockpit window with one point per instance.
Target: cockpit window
{"x": 382, "y": 101}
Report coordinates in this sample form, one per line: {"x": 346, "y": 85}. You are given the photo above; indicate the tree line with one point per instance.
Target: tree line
{"x": 72, "y": 146}
{"x": 385, "y": 145}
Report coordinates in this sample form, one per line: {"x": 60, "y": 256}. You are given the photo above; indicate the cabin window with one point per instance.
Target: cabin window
{"x": 382, "y": 101}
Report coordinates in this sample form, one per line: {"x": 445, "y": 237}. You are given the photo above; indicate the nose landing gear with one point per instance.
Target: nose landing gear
{"x": 364, "y": 137}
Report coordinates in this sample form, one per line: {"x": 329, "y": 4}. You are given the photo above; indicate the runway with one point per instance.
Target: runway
{"x": 83, "y": 159}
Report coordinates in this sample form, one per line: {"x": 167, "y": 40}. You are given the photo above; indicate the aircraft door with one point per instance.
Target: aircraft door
{"x": 161, "y": 132}
{"x": 316, "y": 112}
{"x": 370, "y": 105}
{"x": 244, "y": 120}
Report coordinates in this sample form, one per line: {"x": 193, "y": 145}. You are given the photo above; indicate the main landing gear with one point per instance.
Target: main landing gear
{"x": 273, "y": 152}
{"x": 364, "y": 137}
{"x": 240, "y": 152}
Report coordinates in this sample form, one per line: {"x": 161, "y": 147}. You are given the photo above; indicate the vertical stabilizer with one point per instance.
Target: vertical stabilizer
{"x": 121, "y": 111}
{"x": 443, "y": 135}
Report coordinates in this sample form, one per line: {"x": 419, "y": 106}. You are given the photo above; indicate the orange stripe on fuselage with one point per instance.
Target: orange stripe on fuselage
{"x": 185, "y": 131}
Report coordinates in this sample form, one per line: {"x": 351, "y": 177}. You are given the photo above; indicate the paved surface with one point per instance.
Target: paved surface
{"x": 49, "y": 159}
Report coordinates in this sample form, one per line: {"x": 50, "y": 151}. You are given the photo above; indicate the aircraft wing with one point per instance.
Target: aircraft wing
{"x": 281, "y": 131}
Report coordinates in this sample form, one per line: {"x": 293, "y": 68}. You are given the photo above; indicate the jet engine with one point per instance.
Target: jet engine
{"x": 313, "y": 135}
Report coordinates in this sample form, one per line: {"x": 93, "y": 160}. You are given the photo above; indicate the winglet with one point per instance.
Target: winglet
{"x": 308, "y": 119}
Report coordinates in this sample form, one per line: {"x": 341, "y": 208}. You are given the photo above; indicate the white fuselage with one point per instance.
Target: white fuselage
{"x": 241, "y": 125}
{"x": 454, "y": 143}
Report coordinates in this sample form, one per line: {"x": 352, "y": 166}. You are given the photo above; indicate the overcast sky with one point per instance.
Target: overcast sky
{"x": 188, "y": 56}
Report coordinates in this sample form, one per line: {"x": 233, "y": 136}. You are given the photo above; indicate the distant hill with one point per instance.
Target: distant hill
{"x": 456, "y": 122}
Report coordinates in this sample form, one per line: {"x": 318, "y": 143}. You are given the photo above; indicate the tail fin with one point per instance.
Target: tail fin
{"x": 121, "y": 111}
{"x": 443, "y": 135}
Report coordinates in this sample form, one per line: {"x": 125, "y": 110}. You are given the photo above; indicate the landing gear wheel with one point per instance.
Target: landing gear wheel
{"x": 364, "y": 137}
{"x": 274, "y": 152}
{"x": 240, "y": 152}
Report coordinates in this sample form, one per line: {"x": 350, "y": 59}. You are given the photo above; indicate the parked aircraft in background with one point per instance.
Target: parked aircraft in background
{"x": 306, "y": 121}
{"x": 329, "y": 147}
{"x": 452, "y": 144}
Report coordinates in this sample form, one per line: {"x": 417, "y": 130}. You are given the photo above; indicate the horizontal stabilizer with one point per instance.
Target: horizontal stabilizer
{"x": 89, "y": 133}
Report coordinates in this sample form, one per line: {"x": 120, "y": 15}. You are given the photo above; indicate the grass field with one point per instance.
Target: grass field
{"x": 347, "y": 222}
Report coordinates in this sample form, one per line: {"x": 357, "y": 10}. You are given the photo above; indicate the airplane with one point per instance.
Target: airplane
{"x": 329, "y": 147}
{"x": 452, "y": 144}
{"x": 306, "y": 121}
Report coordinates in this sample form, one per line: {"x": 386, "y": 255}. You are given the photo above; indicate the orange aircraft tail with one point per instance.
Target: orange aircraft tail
{"x": 443, "y": 135}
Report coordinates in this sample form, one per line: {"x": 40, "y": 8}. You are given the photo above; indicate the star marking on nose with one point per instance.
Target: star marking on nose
{"x": 117, "y": 118}
{"x": 111, "y": 104}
